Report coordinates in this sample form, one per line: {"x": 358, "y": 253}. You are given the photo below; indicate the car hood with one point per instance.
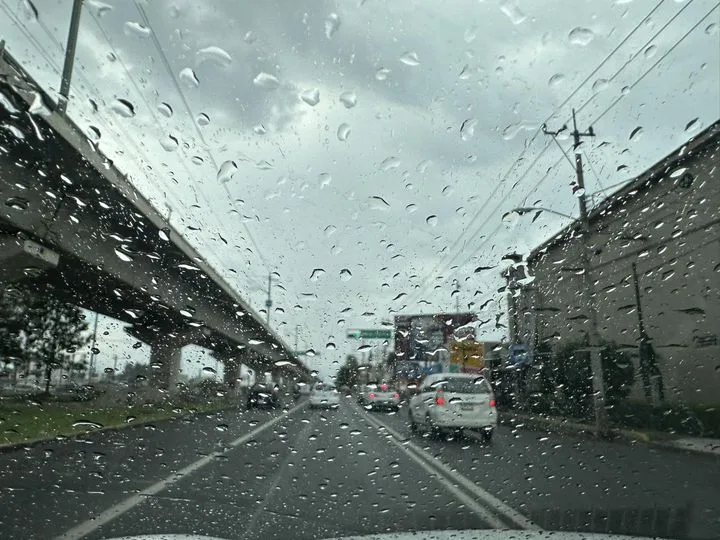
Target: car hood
{"x": 430, "y": 535}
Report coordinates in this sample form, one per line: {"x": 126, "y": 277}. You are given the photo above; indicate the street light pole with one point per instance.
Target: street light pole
{"x": 69, "y": 55}
{"x": 268, "y": 302}
{"x": 588, "y": 289}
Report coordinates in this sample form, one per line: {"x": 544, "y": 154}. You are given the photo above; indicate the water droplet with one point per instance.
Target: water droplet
{"x": 170, "y": 143}
{"x": 132, "y": 28}
{"x": 202, "y": 119}
{"x": 17, "y": 203}
{"x": 86, "y": 424}
{"x": 411, "y": 208}
{"x": 364, "y": 347}
{"x": 260, "y": 130}
{"x": 330, "y": 346}
{"x": 345, "y": 275}
{"x": 692, "y": 124}
{"x": 431, "y": 220}
{"x": 330, "y": 230}
{"x": 625, "y": 90}
{"x": 123, "y": 256}
{"x": 188, "y": 78}
{"x": 255, "y": 342}
{"x": 165, "y": 109}
{"x": 636, "y": 134}
{"x": 581, "y": 36}
{"x": 98, "y": 8}
{"x": 650, "y": 52}
{"x": 209, "y": 370}
{"x": 215, "y": 55}
{"x": 311, "y": 97}
{"x": 467, "y": 129}
{"x": 122, "y": 107}
{"x": 324, "y": 180}
{"x": 343, "y": 132}
{"x": 470, "y": 34}
{"x": 600, "y": 85}
{"x": 93, "y": 133}
{"x": 266, "y": 81}
{"x": 556, "y": 80}
{"x": 410, "y": 58}
{"x": 317, "y": 273}
{"x": 711, "y": 29}
{"x": 249, "y": 37}
{"x": 390, "y": 163}
{"x": 332, "y": 23}
{"x": 227, "y": 171}
{"x": 378, "y": 203}
{"x": 382, "y": 74}
{"x": 222, "y": 427}
{"x": 509, "y": 8}
{"x": 164, "y": 234}
{"x": 197, "y": 160}
{"x": 348, "y": 99}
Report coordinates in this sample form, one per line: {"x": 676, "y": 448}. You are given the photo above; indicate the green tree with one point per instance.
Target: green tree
{"x": 11, "y": 338}
{"x": 52, "y": 329}
{"x": 347, "y": 375}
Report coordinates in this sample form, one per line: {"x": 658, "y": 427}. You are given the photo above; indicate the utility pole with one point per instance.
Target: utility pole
{"x": 297, "y": 331}
{"x": 588, "y": 288}
{"x": 69, "y": 56}
{"x": 268, "y": 302}
{"x": 456, "y": 284}
{"x": 94, "y": 347}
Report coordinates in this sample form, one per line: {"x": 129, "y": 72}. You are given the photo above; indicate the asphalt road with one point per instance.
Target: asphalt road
{"x": 304, "y": 473}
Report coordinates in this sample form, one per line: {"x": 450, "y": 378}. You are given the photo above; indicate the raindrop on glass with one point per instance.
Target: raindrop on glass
{"x": 410, "y": 59}
{"x": 226, "y": 171}
{"x": 348, "y": 99}
{"x": 188, "y": 78}
{"x": 332, "y": 23}
{"x": 311, "y": 97}
{"x": 215, "y": 55}
{"x": 343, "y": 132}
{"x": 132, "y": 28}
{"x": 431, "y": 220}
{"x": 382, "y": 74}
{"x": 266, "y": 81}
{"x": 122, "y": 107}
{"x": 202, "y": 119}
{"x": 581, "y": 36}
{"x": 165, "y": 109}
{"x": 345, "y": 275}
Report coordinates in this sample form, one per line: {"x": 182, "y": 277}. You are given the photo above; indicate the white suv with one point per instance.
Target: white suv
{"x": 454, "y": 401}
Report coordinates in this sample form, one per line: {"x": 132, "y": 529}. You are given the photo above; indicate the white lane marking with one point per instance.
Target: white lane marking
{"x": 106, "y": 516}
{"x": 512, "y": 515}
{"x": 491, "y": 519}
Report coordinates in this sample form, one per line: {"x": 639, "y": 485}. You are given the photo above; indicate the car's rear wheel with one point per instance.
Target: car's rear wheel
{"x": 486, "y": 435}
{"x": 431, "y": 427}
{"x": 413, "y": 424}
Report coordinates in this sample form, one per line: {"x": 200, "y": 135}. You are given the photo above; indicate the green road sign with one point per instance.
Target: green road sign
{"x": 369, "y": 334}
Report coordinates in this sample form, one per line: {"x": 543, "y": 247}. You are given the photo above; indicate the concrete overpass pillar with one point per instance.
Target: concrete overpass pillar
{"x": 165, "y": 354}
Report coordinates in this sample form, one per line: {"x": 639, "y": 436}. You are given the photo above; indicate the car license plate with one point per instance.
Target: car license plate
{"x": 467, "y": 407}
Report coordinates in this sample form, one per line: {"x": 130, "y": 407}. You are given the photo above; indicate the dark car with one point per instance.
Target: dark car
{"x": 263, "y": 395}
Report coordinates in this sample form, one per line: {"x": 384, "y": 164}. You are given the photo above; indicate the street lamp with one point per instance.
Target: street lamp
{"x": 588, "y": 293}
{"x": 527, "y": 209}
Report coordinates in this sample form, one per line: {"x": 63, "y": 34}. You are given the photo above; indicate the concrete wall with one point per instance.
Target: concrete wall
{"x": 669, "y": 229}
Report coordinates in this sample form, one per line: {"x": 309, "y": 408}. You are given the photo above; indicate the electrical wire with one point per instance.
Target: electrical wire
{"x": 532, "y": 140}
{"x": 188, "y": 109}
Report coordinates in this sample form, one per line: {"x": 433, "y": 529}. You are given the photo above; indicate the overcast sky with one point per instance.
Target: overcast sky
{"x": 365, "y": 145}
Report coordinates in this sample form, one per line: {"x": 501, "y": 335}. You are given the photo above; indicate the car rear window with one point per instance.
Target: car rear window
{"x": 463, "y": 385}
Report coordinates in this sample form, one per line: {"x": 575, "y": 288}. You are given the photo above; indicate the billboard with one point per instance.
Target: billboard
{"x": 425, "y": 339}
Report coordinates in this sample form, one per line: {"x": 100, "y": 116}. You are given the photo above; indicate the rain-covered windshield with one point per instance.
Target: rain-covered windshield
{"x": 255, "y": 254}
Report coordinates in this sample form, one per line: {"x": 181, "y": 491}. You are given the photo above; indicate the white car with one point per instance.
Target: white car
{"x": 324, "y": 395}
{"x": 379, "y": 396}
{"x": 454, "y": 401}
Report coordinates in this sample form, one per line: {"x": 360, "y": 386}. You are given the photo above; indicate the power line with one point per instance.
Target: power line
{"x": 188, "y": 109}
{"x": 644, "y": 47}
{"x": 671, "y": 49}
{"x": 532, "y": 140}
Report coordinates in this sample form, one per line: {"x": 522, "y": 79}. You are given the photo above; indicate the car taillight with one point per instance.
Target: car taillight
{"x": 439, "y": 399}
{"x": 396, "y": 396}
{"x": 493, "y": 403}
{"x": 372, "y": 395}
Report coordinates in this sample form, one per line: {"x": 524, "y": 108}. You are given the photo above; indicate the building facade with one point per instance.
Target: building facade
{"x": 654, "y": 249}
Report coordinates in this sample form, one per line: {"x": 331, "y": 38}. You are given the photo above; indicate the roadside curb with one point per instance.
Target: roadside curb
{"x": 617, "y": 435}
{"x": 11, "y": 447}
